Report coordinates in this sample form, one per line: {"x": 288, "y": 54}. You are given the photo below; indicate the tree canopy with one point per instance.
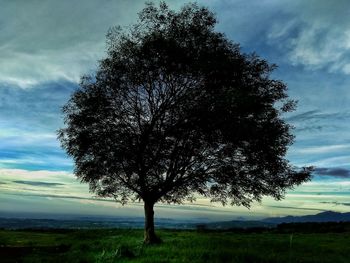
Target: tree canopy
{"x": 175, "y": 109}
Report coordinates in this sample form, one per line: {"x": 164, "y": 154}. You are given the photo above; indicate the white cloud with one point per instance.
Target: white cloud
{"x": 323, "y": 149}
{"x": 337, "y": 161}
{"x": 56, "y": 40}
{"x": 48, "y": 176}
{"x": 316, "y": 35}
{"x": 26, "y": 69}
{"x": 44, "y": 41}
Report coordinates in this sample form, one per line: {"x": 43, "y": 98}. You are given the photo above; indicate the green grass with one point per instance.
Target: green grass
{"x": 121, "y": 245}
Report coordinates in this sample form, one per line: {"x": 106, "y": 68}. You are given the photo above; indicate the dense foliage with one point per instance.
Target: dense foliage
{"x": 175, "y": 109}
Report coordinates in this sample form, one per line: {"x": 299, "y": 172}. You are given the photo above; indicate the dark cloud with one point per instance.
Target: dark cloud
{"x": 314, "y": 128}
{"x": 317, "y": 115}
{"x": 37, "y": 183}
{"x": 335, "y": 172}
{"x": 316, "y": 120}
{"x": 296, "y": 208}
{"x": 303, "y": 116}
{"x": 190, "y": 207}
{"x": 335, "y": 203}
{"x": 62, "y": 197}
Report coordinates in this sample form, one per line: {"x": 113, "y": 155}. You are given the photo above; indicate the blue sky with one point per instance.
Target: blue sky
{"x": 45, "y": 46}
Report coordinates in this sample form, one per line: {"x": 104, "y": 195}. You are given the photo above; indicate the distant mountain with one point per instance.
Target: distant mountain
{"x": 234, "y": 224}
{"x": 328, "y": 216}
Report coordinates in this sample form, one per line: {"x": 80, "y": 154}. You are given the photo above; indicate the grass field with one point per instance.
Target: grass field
{"x": 121, "y": 245}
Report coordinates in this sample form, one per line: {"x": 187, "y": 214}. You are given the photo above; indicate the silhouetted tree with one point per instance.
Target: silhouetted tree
{"x": 175, "y": 109}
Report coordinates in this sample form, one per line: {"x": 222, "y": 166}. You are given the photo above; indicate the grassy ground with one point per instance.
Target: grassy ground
{"x": 120, "y": 245}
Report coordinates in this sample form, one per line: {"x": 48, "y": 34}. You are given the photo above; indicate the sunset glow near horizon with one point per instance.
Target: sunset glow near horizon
{"x": 46, "y": 46}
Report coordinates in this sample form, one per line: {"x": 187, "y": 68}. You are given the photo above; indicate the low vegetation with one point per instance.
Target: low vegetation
{"x": 122, "y": 245}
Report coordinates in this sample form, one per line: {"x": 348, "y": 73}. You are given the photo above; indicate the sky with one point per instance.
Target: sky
{"x": 46, "y": 46}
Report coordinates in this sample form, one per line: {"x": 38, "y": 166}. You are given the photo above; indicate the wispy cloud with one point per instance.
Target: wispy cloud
{"x": 324, "y": 149}
{"x": 336, "y": 161}
{"x": 61, "y": 196}
{"x": 28, "y": 123}
{"x": 303, "y": 116}
{"x": 317, "y": 34}
{"x": 316, "y": 120}
{"x": 10, "y": 175}
{"x": 37, "y": 183}
{"x": 57, "y": 40}
{"x": 336, "y": 203}
{"x": 318, "y": 115}
{"x": 297, "y": 208}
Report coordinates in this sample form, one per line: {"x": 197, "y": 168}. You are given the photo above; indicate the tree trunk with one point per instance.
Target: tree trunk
{"x": 150, "y": 235}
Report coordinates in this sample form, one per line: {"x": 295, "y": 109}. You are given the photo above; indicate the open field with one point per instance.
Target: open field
{"x": 122, "y": 245}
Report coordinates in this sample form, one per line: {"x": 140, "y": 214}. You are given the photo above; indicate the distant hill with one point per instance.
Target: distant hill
{"x": 328, "y": 216}
{"x": 235, "y": 224}
{"x": 271, "y": 222}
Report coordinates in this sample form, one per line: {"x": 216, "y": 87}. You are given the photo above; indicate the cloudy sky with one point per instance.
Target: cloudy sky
{"x": 45, "y": 46}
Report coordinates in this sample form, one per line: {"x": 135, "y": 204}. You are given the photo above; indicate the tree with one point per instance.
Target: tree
{"x": 176, "y": 110}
